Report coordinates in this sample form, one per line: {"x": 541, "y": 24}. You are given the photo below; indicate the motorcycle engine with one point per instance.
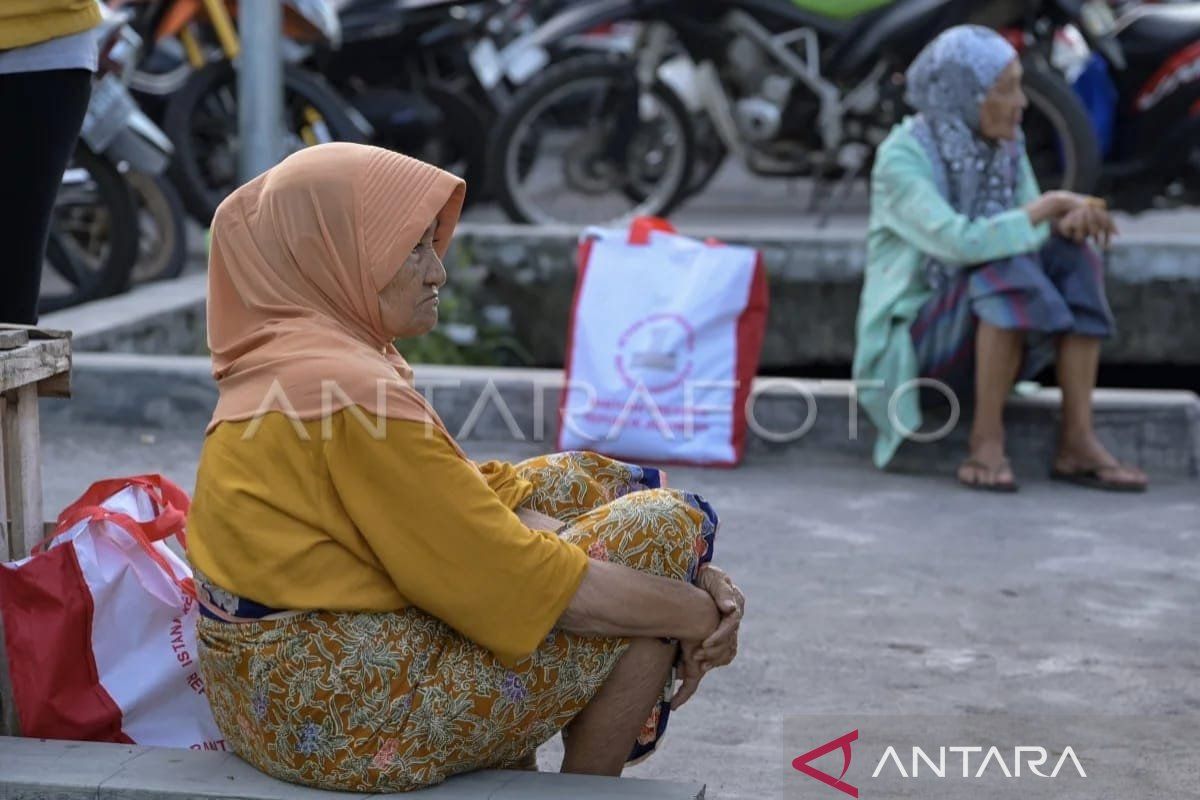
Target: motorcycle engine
{"x": 770, "y": 104}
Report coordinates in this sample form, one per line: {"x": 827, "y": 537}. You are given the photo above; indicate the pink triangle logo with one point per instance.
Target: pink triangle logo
{"x": 801, "y": 763}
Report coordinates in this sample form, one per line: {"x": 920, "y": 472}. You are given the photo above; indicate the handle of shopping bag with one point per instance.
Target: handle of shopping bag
{"x": 641, "y": 228}
{"x": 171, "y": 506}
{"x": 135, "y": 529}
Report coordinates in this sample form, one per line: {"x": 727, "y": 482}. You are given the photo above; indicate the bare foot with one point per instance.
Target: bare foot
{"x": 987, "y": 468}
{"x": 1086, "y": 456}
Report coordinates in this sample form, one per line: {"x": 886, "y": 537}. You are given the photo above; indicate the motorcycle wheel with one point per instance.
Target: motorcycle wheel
{"x": 162, "y": 225}
{"x": 564, "y": 111}
{"x": 710, "y": 153}
{"x": 201, "y": 120}
{"x": 93, "y": 235}
{"x": 461, "y": 149}
{"x": 1059, "y": 137}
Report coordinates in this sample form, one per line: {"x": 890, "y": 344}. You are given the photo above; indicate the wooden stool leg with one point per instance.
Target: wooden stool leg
{"x": 23, "y": 470}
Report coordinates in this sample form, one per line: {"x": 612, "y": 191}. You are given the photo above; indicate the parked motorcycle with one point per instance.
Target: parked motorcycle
{"x": 791, "y": 88}
{"x": 431, "y": 77}
{"x": 200, "y": 105}
{"x": 1146, "y": 111}
{"x": 93, "y": 247}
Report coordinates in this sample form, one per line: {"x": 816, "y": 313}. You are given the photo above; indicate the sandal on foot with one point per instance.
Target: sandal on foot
{"x": 1000, "y": 487}
{"x": 1093, "y": 478}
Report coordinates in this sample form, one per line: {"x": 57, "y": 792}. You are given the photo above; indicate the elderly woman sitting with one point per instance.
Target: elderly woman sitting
{"x": 974, "y": 277}
{"x": 378, "y": 612}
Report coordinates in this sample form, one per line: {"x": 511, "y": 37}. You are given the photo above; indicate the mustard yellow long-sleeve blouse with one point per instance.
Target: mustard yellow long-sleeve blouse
{"x": 295, "y": 519}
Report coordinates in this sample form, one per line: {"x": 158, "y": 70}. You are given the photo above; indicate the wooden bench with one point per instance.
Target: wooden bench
{"x": 33, "y": 363}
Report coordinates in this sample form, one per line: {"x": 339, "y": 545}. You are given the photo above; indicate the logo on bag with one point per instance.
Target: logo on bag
{"x": 656, "y": 352}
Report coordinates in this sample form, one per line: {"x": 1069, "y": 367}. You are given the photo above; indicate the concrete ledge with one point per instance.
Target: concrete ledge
{"x": 815, "y": 280}
{"x": 502, "y": 272}
{"x": 158, "y": 317}
{"x": 1159, "y": 430}
{"x": 36, "y": 769}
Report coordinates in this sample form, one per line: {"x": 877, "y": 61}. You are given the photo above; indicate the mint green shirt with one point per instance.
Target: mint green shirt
{"x": 910, "y": 220}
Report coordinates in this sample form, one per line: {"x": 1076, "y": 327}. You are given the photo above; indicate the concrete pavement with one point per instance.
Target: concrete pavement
{"x": 875, "y": 593}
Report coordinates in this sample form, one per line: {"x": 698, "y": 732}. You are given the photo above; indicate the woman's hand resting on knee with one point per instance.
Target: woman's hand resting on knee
{"x": 720, "y": 647}
{"x": 1088, "y": 222}
{"x": 1074, "y": 216}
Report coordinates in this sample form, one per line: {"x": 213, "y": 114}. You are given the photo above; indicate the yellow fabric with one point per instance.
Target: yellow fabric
{"x": 505, "y": 481}
{"x": 25, "y": 22}
{"x": 305, "y": 701}
{"x": 296, "y": 519}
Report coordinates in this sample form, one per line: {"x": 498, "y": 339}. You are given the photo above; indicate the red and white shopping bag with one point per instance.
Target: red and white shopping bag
{"x": 100, "y": 624}
{"x": 665, "y": 338}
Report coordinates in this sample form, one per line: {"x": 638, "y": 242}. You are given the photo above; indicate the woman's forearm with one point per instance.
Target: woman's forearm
{"x": 614, "y": 600}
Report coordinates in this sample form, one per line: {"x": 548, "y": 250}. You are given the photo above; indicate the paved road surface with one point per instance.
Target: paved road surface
{"x": 879, "y": 594}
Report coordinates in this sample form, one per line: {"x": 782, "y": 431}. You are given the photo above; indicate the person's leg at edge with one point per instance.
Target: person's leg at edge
{"x": 1078, "y": 446}
{"x": 599, "y": 739}
{"x": 601, "y": 736}
{"x": 47, "y": 110}
{"x": 998, "y": 353}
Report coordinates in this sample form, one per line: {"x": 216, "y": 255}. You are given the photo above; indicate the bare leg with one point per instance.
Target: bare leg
{"x": 1078, "y": 447}
{"x": 997, "y": 361}
{"x": 601, "y": 736}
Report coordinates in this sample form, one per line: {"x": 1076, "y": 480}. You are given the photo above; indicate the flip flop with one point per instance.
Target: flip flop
{"x": 1007, "y": 487}
{"x": 1092, "y": 478}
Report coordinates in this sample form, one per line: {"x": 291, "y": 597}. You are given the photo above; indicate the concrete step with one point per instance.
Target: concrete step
{"x": 1159, "y": 430}
{"x": 37, "y": 769}
{"x": 161, "y": 317}
{"x": 526, "y": 274}
{"x": 1153, "y": 284}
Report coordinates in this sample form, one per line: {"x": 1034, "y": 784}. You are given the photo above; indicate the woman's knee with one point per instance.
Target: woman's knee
{"x": 1063, "y": 259}
{"x": 658, "y": 531}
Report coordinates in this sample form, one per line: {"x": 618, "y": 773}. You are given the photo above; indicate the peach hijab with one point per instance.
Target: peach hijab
{"x": 299, "y": 255}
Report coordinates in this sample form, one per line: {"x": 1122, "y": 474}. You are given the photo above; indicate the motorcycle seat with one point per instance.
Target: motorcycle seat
{"x": 1151, "y": 33}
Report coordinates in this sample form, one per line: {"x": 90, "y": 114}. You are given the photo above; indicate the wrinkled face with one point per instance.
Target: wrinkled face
{"x": 1002, "y": 109}
{"x": 408, "y": 304}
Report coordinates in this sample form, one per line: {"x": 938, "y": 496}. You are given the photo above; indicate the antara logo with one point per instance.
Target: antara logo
{"x": 843, "y": 742}
{"x": 1027, "y": 758}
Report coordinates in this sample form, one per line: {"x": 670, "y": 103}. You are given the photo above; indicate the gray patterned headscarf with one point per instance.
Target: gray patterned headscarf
{"x": 947, "y": 84}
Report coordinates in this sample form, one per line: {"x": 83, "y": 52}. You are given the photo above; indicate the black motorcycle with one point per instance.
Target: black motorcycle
{"x": 789, "y": 91}
{"x": 428, "y": 76}
{"x": 1152, "y": 109}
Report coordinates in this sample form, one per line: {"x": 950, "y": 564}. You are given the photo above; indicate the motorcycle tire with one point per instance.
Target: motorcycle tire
{"x": 533, "y": 94}
{"x": 710, "y": 153}
{"x": 202, "y": 193}
{"x": 110, "y": 274}
{"x": 1060, "y": 139}
{"x": 162, "y": 225}
{"x": 464, "y": 119}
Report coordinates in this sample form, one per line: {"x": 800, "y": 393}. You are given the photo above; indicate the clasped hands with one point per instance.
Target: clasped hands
{"x": 720, "y": 648}
{"x": 1081, "y": 218}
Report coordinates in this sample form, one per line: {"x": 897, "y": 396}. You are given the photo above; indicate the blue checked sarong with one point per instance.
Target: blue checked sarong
{"x": 1057, "y": 290}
